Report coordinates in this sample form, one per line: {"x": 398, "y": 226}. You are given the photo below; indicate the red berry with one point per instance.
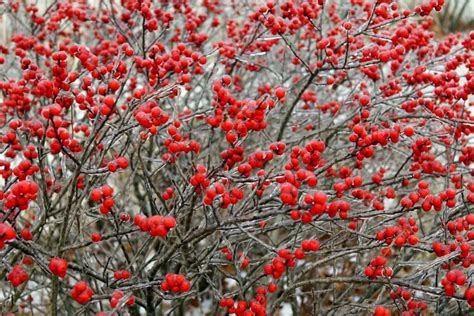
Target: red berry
{"x": 169, "y": 222}
{"x": 96, "y": 237}
{"x": 364, "y": 100}
{"x": 114, "y": 85}
{"x": 280, "y": 93}
{"x": 409, "y": 131}
{"x": 96, "y": 195}
{"x": 58, "y": 267}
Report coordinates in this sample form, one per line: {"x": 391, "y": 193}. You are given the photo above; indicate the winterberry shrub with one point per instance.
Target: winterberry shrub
{"x": 240, "y": 157}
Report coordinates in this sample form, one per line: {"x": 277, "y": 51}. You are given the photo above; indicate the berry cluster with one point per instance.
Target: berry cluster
{"x": 119, "y": 297}
{"x": 21, "y": 194}
{"x": 401, "y": 234}
{"x": 156, "y": 225}
{"x": 104, "y": 195}
{"x": 17, "y": 276}
{"x": 81, "y": 292}
{"x": 407, "y": 298}
{"x": 58, "y": 266}
{"x": 453, "y": 278}
{"x": 307, "y": 245}
{"x": 256, "y": 306}
{"x": 377, "y": 268}
{"x": 151, "y": 116}
{"x": 121, "y": 275}
{"x": 6, "y": 233}
{"x": 279, "y": 264}
{"x": 120, "y": 162}
{"x": 175, "y": 283}
{"x": 199, "y": 180}
{"x": 226, "y": 198}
